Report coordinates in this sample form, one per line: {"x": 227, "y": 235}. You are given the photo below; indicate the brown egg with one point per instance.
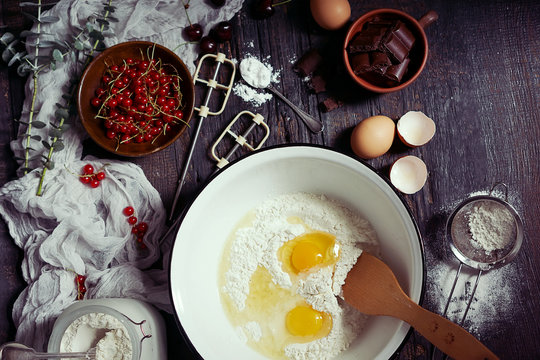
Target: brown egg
{"x": 330, "y": 14}
{"x": 373, "y": 136}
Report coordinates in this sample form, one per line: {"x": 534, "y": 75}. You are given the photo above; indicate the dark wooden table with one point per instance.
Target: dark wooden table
{"x": 481, "y": 85}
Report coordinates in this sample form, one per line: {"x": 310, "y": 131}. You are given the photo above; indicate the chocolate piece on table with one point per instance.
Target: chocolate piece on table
{"x": 308, "y": 63}
{"x": 360, "y": 63}
{"x": 379, "y": 61}
{"x": 317, "y": 84}
{"x": 368, "y": 39}
{"x": 330, "y": 104}
{"x": 396, "y": 72}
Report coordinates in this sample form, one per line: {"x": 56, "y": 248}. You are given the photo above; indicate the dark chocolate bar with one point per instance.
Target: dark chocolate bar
{"x": 317, "y": 84}
{"x": 379, "y": 61}
{"x": 396, "y": 72}
{"x": 398, "y": 42}
{"x": 368, "y": 39}
{"x": 308, "y": 63}
{"x": 330, "y": 104}
{"x": 360, "y": 63}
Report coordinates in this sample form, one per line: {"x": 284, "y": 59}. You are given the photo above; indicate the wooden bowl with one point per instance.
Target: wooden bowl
{"x": 418, "y": 53}
{"x": 91, "y": 80}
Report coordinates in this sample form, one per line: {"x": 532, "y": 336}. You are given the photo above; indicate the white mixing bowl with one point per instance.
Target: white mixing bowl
{"x": 242, "y": 186}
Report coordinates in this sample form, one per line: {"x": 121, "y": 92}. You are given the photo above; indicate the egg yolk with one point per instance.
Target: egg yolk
{"x": 306, "y": 255}
{"x": 304, "y": 321}
{"x": 309, "y": 251}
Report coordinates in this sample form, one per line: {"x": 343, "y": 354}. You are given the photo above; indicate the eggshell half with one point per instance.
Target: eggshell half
{"x": 415, "y": 128}
{"x": 408, "y": 174}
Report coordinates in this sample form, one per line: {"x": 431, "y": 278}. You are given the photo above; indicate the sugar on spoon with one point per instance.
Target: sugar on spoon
{"x": 16, "y": 351}
{"x": 372, "y": 288}
{"x": 257, "y": 75}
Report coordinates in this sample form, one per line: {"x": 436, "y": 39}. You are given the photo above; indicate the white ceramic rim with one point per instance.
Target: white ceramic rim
{"x": 292, "y": 151}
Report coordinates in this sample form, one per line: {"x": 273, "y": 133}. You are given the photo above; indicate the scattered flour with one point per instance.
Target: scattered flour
{"x": 103, "y": 331}
{"x": 259, "y": 75}
{"x": 257, "y": 245}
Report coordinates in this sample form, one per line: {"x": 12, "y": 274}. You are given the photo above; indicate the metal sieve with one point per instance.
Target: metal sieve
{"x": 459, "y": 238}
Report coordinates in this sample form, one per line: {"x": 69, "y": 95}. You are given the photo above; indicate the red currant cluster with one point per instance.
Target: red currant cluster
{"x": 89, "y": 177}
{"x": 139, "y": 229}
{"x": 139, "y": 100}
{"x": 81, "y": 289}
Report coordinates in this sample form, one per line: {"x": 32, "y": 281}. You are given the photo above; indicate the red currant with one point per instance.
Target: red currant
{"x": 88, "y": 169}
{"x": 142, "y": 227}
{"x": 100, "y": 175}
{"x": 132, "y": 220}
{"x": 128, "y": 211}
{"x": 96, "y": 102}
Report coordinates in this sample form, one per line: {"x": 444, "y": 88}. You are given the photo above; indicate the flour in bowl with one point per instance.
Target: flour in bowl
{"x": 283, "y": 269}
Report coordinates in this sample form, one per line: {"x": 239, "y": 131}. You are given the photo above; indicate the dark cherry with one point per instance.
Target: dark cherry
{"x": 193, "y": 32}
{"x": 207, "y": 45}
{"x": 264, "y": 9}
{"x": 223, "y": 31}
{"x": 218, "y": 3}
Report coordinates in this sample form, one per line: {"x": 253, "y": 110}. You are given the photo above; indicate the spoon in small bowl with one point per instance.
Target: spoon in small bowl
{"x": 16, "y": 351}
{"x": 372, "y": 288}
{"x": 313, "y": 124}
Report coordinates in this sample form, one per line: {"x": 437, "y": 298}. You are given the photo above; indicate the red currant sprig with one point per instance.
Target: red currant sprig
{"x": 138, "y": 229}
{"x": 81, "y": 288}
{"x": 91, "y": 178}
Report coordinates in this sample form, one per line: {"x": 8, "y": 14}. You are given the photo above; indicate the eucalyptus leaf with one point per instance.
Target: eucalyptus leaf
{"x": 55, "y": 133}
{"x": 78, "y": 45}
{"x": 58, "y": 146}
{"x": 57, "y": 55}
{"x": 96, "y": 35}
{"x": 7, "y": 55}
{"x": 67, "y": 97}
{"x": 112, "y": 18}
{"x": 53, "y": 65}
{"x": 61, "y": 114}
{"x": 38, "y": 124}
{"x": 18, "y": 158}
{"x": 17, "y": 57}
{"x": 49, "y": 164}
{"x": 109, "y": 8}
{"x": 49, "y": 19}
{"x": 46, "y": 145}
{"x": 102, "y": 21}
{"x": 6, "y": 38}
{"x": 32, "y": 17}
{"x": 35, "y": 137}
{"x": 23, "y": 4}
{"x": 89, "y": 26}
{"x": 25, "y": 169}
{"x": 21, "y": 122}
{"x": 28, "y": 33}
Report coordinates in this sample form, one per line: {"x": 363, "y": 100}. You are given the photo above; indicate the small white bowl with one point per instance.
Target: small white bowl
{"x": 240, "y": 187}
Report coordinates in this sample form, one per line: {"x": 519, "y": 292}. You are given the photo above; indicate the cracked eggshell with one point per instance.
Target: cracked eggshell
{"x": 408, "y": 174}
{"x": 415, "y": 129}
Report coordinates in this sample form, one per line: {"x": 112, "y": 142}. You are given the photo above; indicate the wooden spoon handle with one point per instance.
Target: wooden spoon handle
{"x": 450, "y": 338}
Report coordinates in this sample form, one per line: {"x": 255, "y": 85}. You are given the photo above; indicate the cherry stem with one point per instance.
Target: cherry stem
{"x": 281, "y": 3}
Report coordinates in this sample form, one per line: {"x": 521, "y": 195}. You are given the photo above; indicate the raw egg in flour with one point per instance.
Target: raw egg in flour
{"x": 308, "y": 251}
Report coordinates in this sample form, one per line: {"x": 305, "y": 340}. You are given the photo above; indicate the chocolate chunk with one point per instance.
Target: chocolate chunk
{"x": 360, "y": 63}
{"x": 368, "y": 39}
{"x": 379, "y": 61}
{"x": 404, "y": 34}
{"x": 330, "y": 104}
{"x": 396, "y": 72}
{"x": 308, "y": 63}
{"x": 317, "y": 84}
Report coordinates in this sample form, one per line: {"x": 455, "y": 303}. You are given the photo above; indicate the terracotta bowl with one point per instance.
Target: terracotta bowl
{"x": 418, "y": 53}
{"x": 91, "y": 80}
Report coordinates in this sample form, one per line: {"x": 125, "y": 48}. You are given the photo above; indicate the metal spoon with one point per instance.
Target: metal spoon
{"x": 16, "y": 351}
{"x": 372, "y": 288}
{"x": 313, "y": 124}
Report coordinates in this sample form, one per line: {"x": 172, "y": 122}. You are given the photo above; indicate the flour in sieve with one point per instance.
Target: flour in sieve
{"x": 257, "y": 245}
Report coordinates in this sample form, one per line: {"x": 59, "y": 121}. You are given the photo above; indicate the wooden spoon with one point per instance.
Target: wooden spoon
{"x": 372, "y": 288}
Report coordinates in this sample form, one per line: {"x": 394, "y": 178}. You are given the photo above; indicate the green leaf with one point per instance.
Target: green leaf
{"x": 6, "y": 38}
{"x": 35, "y": 137}
{"x": 49, "y": 19}
{"x": 53, "y": 65}
{"x": 112, "y": 18}
{"x": 109, "y": 8}
{"x": 57, "y": 55}
{"x": 102, "y": 22}
{"x": 25, "y": 169}
{"x": 18, "y": 158}
{"x": 46, "y": 145}
{"x": 38, "y": 124}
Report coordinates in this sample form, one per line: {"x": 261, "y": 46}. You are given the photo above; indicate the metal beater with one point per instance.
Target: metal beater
{"x": 204, "y": 111}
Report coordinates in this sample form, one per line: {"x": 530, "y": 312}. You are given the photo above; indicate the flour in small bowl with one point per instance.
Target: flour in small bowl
{"x": 254, "y": 276}
{"x": 103, "y": 331}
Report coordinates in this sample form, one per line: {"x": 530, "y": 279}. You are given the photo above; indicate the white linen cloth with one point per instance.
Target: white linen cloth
{"x": 73, "y": 228}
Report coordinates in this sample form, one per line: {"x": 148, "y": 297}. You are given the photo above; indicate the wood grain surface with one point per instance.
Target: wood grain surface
{"x": 481, "y": 85}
